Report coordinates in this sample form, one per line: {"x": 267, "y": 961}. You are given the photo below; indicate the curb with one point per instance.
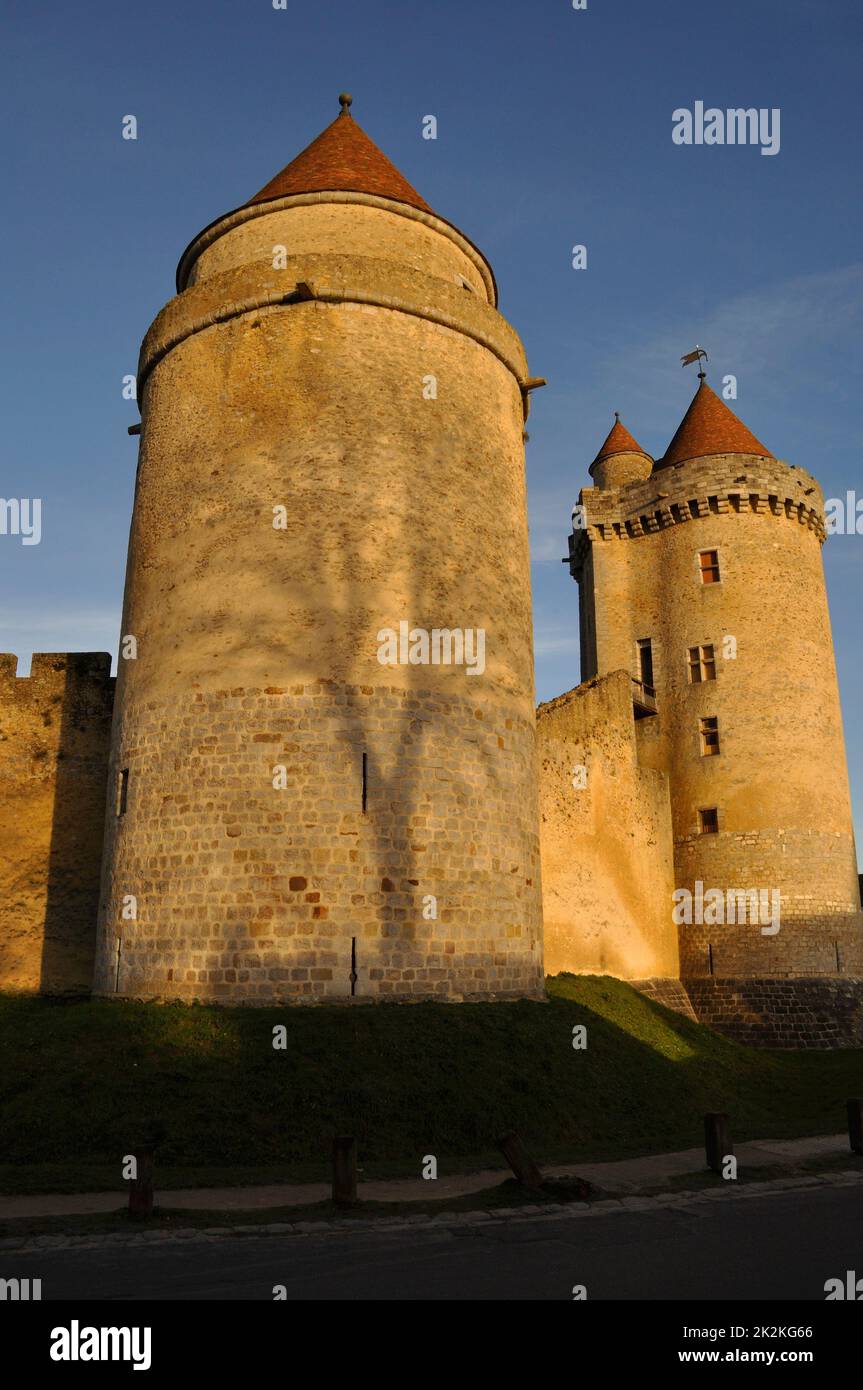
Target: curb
{"x": 445, "y": 1221}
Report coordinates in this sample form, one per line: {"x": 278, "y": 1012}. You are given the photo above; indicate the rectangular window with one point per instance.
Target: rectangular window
{"x": 708, "y": 821}
{"x": 709, "y": 563}
{"x": 702, "y": 664}
{"x": 709, "y": 736}
{"x": 122, "y": 792}
{"x": 645, "y": 662}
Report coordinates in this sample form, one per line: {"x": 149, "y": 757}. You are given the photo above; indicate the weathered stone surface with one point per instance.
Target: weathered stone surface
{"x": 54, "y": 734}
{"x": 607, "y": 865}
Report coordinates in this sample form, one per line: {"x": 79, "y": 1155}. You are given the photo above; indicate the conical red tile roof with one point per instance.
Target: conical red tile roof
{"x": 619, "y": 441}
{"x": 709, "y": 427}
{"x": 342, "y": 158}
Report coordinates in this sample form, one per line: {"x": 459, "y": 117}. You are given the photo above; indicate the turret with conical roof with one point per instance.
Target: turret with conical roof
{"x": 326, "y": 743}
{"x": 315, "y": 202}
{"x": 620, "y": 460}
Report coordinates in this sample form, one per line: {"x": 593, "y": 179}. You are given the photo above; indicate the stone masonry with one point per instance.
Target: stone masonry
{"x": 55, "y": 727}
{"x": 332, "y": 445}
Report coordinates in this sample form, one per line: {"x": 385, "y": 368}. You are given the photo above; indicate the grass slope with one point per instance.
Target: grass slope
{"x": 81, "y": 1082}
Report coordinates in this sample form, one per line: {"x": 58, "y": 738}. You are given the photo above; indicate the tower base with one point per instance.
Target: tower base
{"x": 813, "y": 1012}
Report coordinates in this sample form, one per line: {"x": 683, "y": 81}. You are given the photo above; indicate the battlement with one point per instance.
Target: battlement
{"x": 52, "y": 668}
{"x": 720, "y": 485}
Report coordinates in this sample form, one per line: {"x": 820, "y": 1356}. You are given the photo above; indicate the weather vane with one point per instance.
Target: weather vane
{"x": 696, "y": 356}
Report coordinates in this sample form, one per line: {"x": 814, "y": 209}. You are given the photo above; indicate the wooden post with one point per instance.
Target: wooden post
{"x": 520, "y": 1160}
{"x": 344, "y": 1170}
{"x": 717, "y": 1140}
{"x": 855, "y": 1125}
{"x": 141, "y": 1187}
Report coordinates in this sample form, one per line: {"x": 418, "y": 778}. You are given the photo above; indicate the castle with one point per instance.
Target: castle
{"x": 321, "y": 774}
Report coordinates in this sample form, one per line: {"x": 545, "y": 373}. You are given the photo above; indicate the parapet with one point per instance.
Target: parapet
{"x": 80, "y": 683}
{"x": 57, "y": 666}
{"x": 719, "y": 485}
{"x": 330, "y": 279}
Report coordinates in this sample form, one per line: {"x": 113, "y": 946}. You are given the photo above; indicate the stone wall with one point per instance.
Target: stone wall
{"x": 670, "y": 993}
{"x": 606, "y": 847}
{"x": 54, "y": 741}
{"x": 813, "y": 1013}
{"x": 244, "y": 891}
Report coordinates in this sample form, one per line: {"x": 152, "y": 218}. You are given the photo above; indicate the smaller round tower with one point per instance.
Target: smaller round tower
{"x": 702, "y": 575}
{"x": 621, "y": 460}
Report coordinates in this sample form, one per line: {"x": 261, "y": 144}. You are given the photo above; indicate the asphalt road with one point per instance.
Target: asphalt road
{"x": 782, "y": 1246}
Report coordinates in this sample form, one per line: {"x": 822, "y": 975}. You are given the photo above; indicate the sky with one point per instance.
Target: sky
{"x": 554, "y": 130}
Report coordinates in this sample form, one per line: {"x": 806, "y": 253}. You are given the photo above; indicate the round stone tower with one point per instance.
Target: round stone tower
{"x": 750, "y": 717}
{"x": 703, "y": 576}
{"x": 323, "y": 774}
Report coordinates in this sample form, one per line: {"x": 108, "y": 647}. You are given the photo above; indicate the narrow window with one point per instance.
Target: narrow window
{"x": 708, "y": 821}
{"x": 702, "y": 664}
{"x": 709, "y": 736}
{"x": 123, "y": 792}
{"x": 353, "y": 975}
{"x": 365, "y": 781}
{"x": 709, "y": 958}
{"x": 645, "y": 663}
{"x": 709, "y": 563}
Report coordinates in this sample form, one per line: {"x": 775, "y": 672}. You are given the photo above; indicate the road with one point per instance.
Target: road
{"x": 782, "y": 1246}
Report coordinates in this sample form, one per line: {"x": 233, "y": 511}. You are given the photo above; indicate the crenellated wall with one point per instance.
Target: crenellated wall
{"x": 54, "y": 741}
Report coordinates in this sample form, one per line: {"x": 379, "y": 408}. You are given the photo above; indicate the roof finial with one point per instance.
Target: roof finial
{"x": 617, "y": 415}
{"x": 345, "y": 101}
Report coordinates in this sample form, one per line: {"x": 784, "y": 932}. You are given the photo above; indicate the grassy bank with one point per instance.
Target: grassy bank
{"x": 82, "y": 1082}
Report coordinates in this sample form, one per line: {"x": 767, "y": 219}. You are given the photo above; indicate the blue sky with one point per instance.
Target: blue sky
{"x": 554, "y": 128}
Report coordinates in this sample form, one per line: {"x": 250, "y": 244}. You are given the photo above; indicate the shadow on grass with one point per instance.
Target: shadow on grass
{"x": 83, "y": 1082}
